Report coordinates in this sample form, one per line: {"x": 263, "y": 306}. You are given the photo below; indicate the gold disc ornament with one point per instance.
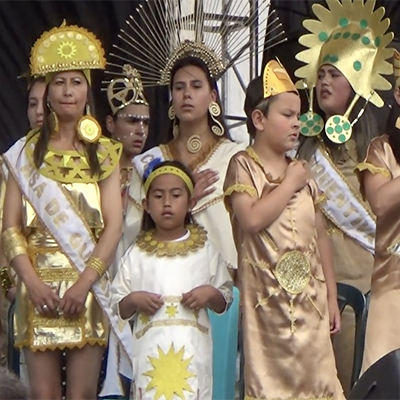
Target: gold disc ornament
{"x": 338, "y": 129}
{"x": 311, "y": 124}
{"x": 89, "y": 129}
{"x": 194, "y": 144}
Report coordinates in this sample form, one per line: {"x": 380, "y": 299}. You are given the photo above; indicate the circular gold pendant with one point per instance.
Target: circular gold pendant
{"x": 89, "y": 129}
{"x": 293, "y": 272}
{"x": 194, "y": 144}
{"x": 338, "y": 129}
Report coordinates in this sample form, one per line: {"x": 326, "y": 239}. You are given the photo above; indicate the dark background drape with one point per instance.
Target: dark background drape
{"x": 22, "y": 22}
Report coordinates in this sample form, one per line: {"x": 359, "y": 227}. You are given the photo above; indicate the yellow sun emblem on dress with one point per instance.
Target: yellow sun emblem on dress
{"x": 144, "y": 318}
{"x": 171, "y": 311}
{"x": 66, "y": 50}
{"x": 169, "y": 374}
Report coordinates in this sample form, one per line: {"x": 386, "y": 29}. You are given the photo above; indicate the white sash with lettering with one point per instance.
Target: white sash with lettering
{"x": 141, "y": 161}
{"x": 341, "y": 206}
{"x": 50, "y": 203}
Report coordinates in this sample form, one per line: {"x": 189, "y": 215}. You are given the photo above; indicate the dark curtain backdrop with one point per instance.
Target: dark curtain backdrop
{"x": 293, "y": 12}
{"x": 22, "y": 22}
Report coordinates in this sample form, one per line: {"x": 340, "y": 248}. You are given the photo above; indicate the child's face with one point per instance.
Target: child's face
{"x": 280, "y": 128}
{"x": 168, "y": 202}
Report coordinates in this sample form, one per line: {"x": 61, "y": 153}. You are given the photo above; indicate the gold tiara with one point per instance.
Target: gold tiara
{"x": 168, "y": 169}
{"x": 162, "y": 33}
{"x": 352, "y": 37}
{"x": 66, "y": 48}
{"x": 125, "y": 90}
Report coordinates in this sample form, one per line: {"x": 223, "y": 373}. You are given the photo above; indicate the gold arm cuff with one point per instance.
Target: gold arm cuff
{"x": 97, "y": 264}
{"x": 7, "y": 282}
{"x": 14, "y": 243}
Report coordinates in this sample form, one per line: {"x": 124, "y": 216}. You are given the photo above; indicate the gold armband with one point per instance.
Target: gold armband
{"x": 14, "y": 243}
{"x": 97, "y": 264}
{"x": 7, "y": 281}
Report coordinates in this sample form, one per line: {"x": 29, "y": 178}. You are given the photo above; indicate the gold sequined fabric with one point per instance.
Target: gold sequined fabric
{"x": 54, "y": 268}
{"x": 383, "y": 325}
{"x": 283, "y": 292}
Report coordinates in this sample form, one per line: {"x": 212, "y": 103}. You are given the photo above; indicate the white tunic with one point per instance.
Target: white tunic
{"x": 173, "y": 348}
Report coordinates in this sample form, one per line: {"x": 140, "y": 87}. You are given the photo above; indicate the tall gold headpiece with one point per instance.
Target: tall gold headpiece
{"x": 126, "y": 90}
{"x": 352, "y": 37}
{"x": 66, "y": 48}
{"x": 276, "y": 80}
{"x": 164, "y": 32}
{"x": 396, "y": 65}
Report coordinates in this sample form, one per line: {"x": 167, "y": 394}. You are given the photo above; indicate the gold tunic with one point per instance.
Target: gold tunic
{"x": 287, "y": 346}
{"x": 50, "y": 262}
{"x": 383, "y": 325}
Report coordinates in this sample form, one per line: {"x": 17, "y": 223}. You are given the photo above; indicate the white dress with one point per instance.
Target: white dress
{"x": 173, "y": 348}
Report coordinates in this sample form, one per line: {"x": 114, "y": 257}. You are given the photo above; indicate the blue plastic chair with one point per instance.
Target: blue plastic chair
{"x": 225, "y": 347}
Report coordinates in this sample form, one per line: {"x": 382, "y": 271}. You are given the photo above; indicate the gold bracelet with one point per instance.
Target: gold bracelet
{"x": 6, "y": 280}
{"x": 14, "y": 243}
{"x": 97, "y": 264}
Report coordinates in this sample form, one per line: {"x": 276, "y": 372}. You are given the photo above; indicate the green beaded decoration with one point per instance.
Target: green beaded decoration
{"x": 311, "y": 124}
{"x": 338, "y": 129}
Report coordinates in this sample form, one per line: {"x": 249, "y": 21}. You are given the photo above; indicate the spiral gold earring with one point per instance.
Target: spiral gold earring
{"x": 215, "y": 111}
{"x": 171, "y": 113}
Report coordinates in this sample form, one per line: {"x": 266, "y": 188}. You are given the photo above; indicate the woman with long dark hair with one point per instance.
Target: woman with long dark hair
{"x": 345, "y": 61}
{"x": 62, "y": 222}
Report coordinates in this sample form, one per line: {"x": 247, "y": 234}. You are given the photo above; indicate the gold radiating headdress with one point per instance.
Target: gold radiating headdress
{"x": 276, "y": 80}
{"x": 66, "y": 48}
{"x": 172, "y": 34}
{"x": 396, "y": 65}
{"x": 126, "y": 90}
{"x": 352, "y": 37}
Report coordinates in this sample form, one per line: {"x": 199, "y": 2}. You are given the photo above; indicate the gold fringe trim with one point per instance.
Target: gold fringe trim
{"x": 314, "y": 305}
{"x": 292, "y": 317}
{"x": 321, "y": 199}
{"x": 208, "y": 204}
{"x": 91, "y": 342}
{"x": 264, "y": 301}
{"x": 364, "y": 166}
{"x": 171, "y": 322}
{"x": 240, "y": 188}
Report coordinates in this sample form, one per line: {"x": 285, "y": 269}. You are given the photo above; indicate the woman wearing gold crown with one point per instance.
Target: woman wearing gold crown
{"x": 62, "y": 222}
{"x": 379, "y": 174}
{"x": 198, "y": 135}
{"x": 345, "y": 61}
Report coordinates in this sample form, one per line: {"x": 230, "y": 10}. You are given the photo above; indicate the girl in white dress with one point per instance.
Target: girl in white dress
{"x": 165, "y": 283}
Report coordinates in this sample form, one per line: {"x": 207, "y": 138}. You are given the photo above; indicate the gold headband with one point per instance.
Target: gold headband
{"x": 168, "y": 169}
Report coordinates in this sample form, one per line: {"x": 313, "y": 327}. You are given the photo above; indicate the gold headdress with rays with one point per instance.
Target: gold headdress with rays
{"x": 66, "y": 48}
{"x": 352, "y": 37}
{"x": 172, "y": 33}
{"x": 126, "y": 90}
{"x": 396, "y": 65}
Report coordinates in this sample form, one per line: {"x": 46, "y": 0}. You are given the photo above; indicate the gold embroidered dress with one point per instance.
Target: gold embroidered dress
{"x": 287, "y": 346}
{"x": 71, "y": 170}
{"x": 383, "y": 325}
{"x": 173, "y": 347}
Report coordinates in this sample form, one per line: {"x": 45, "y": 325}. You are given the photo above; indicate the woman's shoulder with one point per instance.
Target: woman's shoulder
{"x": 108, "y": 153}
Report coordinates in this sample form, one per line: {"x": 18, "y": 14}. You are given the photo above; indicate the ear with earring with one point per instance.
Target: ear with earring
{"x": 53, "y": 120}
{"x": 172, "y": 117}
{"x": 88, "y": 128}
{"x": 215, "y": 111}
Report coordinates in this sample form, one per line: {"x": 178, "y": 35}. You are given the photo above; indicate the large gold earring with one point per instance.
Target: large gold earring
{"x": 53, "y": 120}
{"x": 172, "y": 117}
{"x": 88, "y": 128}
{"x": 215, "y": 111}
{"x": 171, "y": 113}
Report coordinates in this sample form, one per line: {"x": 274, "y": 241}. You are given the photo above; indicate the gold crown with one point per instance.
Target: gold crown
{"x": 66, "y": 48}
{"x": 126, "y": 90}
{"x": 396, "y": 65}
{"x": 352, "y": 37}
{"x": 276, "y": 80}
{"x": 196, "y": 50}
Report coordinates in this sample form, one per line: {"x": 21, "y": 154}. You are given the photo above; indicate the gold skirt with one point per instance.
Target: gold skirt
{"x": 38, "y": 332}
